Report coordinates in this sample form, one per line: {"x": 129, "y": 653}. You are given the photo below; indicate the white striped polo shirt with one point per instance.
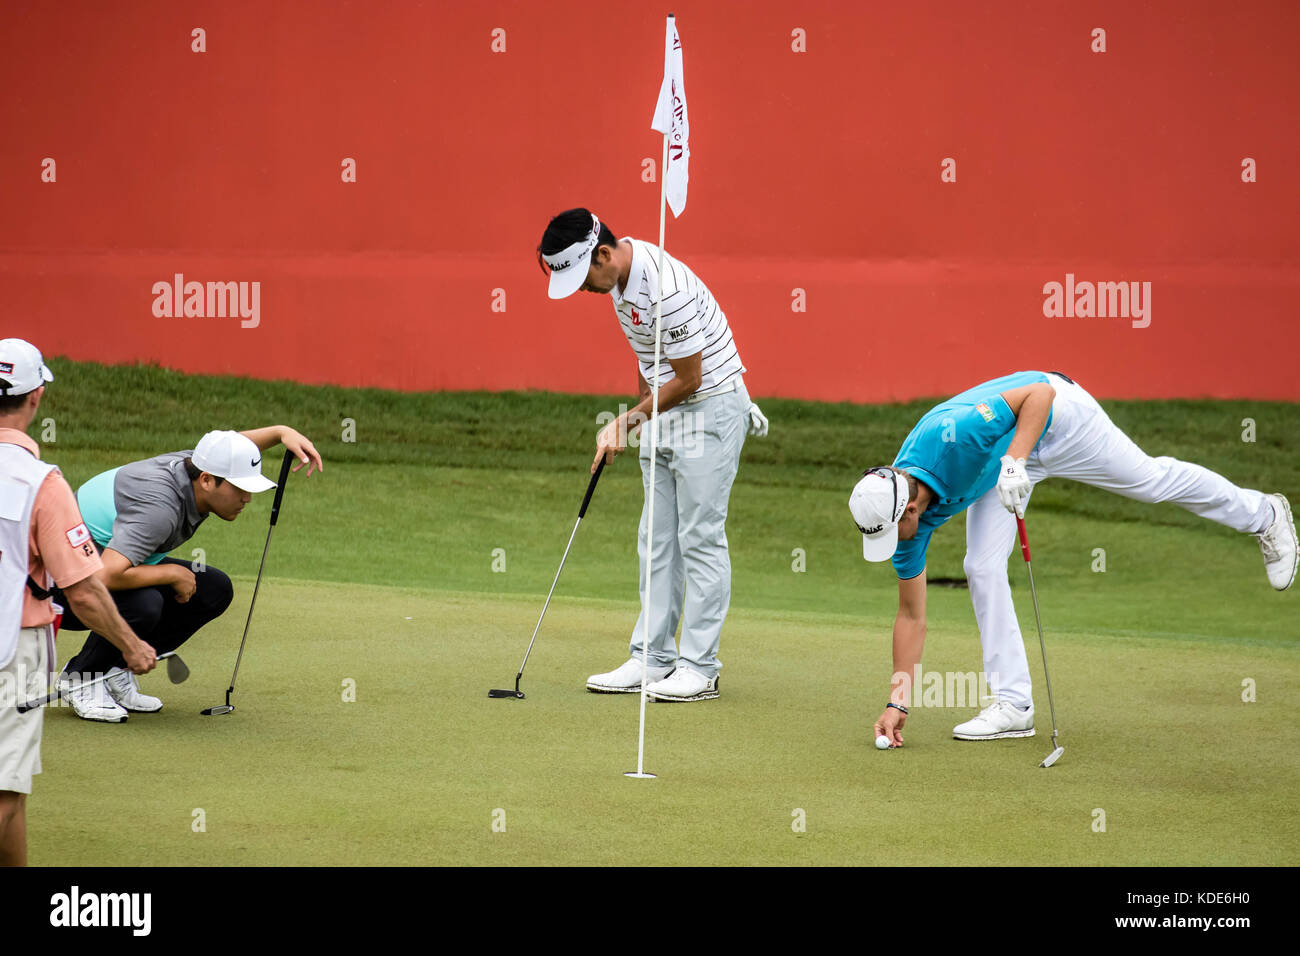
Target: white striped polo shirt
{"x": 692, "y": 320}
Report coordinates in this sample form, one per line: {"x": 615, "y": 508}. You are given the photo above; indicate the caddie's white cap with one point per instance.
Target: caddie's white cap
{"x": 234, "y": 457}
{"x": 569, "y": 266}
{"x": 878, "y": 502}
{"x": 22, "y": 367}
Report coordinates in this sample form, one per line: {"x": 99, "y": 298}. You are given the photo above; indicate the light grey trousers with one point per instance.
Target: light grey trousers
{"x": 697, "y": 457}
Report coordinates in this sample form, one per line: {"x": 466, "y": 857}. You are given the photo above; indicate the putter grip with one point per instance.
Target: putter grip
{"x": 279, "y": 485}
{"x": 591, "y": 487}
{"x": 1024, "y": 537}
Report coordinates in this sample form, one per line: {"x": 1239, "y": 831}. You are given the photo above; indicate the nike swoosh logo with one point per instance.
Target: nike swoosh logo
{"x": 257, "y": 462}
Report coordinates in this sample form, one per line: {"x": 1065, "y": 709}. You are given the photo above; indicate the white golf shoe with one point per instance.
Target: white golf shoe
{"x": 125, "y": 690}
{"x": 627, "y": 678}
{"x": 1278, "y": 545}
{"x": 684, "y": 684}
{"x": 999, "y": 719}
{"x": 92, "y": 701}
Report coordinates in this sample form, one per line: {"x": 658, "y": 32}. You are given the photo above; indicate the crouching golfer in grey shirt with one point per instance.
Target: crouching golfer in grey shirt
{"x": 136, "y": 514}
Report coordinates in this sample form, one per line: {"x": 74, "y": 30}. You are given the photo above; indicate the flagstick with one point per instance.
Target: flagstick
{"x": 654, "y": 454}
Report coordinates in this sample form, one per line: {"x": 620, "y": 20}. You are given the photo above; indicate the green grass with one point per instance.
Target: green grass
{"x": 412, "y": 771}
{"x": 381, "y": 573}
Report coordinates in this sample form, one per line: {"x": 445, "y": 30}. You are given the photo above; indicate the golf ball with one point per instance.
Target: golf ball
{"x": 882, "y": 742}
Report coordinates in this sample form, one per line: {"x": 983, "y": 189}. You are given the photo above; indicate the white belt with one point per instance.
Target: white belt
{"x": 728, "y": 386}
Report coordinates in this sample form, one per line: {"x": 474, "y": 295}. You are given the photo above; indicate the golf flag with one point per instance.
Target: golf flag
{"x": 670, "y": 119}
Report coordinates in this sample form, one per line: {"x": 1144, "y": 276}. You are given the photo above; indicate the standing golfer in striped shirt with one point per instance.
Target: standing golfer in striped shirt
{"x": 704, "y": 415}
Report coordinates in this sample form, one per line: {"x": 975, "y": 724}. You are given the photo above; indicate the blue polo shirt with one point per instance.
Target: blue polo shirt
{"x": 956, "y": 449}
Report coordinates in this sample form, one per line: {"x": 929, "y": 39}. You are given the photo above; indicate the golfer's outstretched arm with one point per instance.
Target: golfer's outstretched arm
{"x": 295, "y": 441}
{"x": 909, "y": 637}
{"x": 1031, "y": 404}
{"x": 118, "y": 574}
{"x": 687, "y": 374}
{"x": 686, "y": 379}
{"x": 94, "y": 607}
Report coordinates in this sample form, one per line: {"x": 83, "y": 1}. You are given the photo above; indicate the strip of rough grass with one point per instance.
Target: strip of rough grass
{"x": 440, "y": 489}
{"x": 137, "y": 409}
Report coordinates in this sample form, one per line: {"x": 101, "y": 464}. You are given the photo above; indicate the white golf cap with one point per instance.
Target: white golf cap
{"x": 234, "y": 457}
{"x": 569, "y": 266}
{"x": 22, "y": 367}
{"x": 878, "y": 502}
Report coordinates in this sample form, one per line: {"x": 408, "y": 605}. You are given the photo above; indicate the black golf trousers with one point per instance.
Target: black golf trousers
{"x": 155, "y": 615}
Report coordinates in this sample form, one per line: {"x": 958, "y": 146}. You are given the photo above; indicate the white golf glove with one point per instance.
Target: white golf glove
{"x": 1013, "y": 484}
{"x": 757, "y": 421}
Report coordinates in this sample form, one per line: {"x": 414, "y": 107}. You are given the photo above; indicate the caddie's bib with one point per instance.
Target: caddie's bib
{"x": 21, "y": 476}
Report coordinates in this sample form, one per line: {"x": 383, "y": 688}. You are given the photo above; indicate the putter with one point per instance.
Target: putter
{"x": 518, "y": 694}
{"x": 227, "y": 707}
{"x": 1057, "y": 749}
{"x": 177, "y": 673}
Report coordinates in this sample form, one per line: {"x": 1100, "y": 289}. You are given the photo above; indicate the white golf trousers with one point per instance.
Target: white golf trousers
{"x": 697, "y": 458}
{"x": 1081, "y": 444}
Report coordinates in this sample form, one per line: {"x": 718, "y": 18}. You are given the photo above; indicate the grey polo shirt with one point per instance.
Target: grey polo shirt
{"x": 142, "y": 510}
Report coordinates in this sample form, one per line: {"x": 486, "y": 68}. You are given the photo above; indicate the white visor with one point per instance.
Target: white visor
{"x": 569, "y": 266}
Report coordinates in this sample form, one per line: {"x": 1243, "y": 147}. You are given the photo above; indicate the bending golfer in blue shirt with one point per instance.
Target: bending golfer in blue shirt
{"x": 982, "y": 452}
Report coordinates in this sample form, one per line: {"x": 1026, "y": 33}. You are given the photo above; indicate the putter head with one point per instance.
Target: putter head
{"x": 514, "y": 694}
{"x": 218, "y": 710}
{"x": 177, "y": 671}
{"x": 1051, "y": 758}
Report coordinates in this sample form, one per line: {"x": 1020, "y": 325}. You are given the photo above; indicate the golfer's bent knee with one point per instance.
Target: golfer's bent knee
{"x": 981, "y": 574}
{"x": 973, "y": 567}
{"x": 217, "y": 590}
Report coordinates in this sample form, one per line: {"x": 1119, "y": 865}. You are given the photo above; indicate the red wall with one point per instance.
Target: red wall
{"x": 816, "y": 170}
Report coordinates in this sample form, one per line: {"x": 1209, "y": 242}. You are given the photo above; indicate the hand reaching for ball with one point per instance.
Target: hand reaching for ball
{"x": 889, "y": 728}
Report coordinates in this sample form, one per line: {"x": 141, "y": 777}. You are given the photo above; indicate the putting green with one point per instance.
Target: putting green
{"x": 422, "y": 766}
{"x": 416, "y": 564}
